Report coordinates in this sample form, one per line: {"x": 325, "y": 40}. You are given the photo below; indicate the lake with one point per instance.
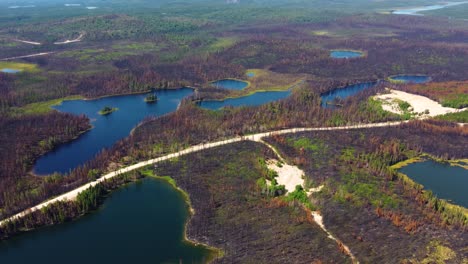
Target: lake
{"x": 342, "y": 93}
{"x": 108, "y": 129}
{"x": 250, "y": 74}
{"x": 8, "y": 70}
{"x": 447, "y": 182}
{"x": 132, "y": 109}
{"x": 230, "y": 84}
{"x": 254, "y": 99}
{"x": 141, "y": 222}
{"x": 411, "y": 78}
{"x": 345, "y": 54}
{"x": 415, "y": 10}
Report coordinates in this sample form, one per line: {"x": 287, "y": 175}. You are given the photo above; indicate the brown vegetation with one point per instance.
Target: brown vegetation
{"x": 368, "y": 205}
{"x": 233, "y": 215}
{"x": 24, "y": 139}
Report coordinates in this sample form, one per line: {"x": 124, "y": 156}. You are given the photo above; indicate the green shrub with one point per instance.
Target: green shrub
{"x": 460, "y": 101}
{"x": 404, "y": 106}
{"x": 461, "y": 117}
{"x": 300, "y": 195}
{"x": 89, "y": 199}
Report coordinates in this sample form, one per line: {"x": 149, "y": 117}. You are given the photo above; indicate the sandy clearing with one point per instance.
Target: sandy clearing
{"x": 288, "y": 175}
{"x": 419, "y": 104}
{"x": 291, "y": 176}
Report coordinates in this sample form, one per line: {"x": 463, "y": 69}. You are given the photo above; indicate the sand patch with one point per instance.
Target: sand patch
{"x": 315, "y": 190}
{"x": 289, "y": 176}
{"x": 419, "y": 104}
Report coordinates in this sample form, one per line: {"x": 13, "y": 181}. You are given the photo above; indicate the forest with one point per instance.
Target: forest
{"x": 23, "y": 140}
{"x": 378, "y": 210}
{"x": 354, "y": 168}
{"x": 172, "y": 45}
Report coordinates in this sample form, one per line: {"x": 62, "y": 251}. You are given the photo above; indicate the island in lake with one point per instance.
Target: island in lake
{"x": 107, "y": 110}
{"x": 151, "y": 98}
{"x": 234, "y": 131}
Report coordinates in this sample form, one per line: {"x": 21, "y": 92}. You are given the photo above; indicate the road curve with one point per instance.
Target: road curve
{"x": 78, "y": 39}
{"x": 71, "y": 195}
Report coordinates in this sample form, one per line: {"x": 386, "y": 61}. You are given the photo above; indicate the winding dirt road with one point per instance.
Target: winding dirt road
{"x": 254, "y": 137}
{"x": 78, "y": 39}
{"x": 71, "y": 195}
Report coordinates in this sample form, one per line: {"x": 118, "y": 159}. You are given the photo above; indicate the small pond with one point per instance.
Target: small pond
{"x": 250, "y": 74}
{"x": 447, "y": 182}
{"x": 343, "y": 93}
{"x": 142, "y": 222}
{"x": 8, "y": 70}
{"x": 230, "y": 84}
{"x": 345, "y": 54}
{"x": 410, "y": 78}
{"x": 254, "y": 99}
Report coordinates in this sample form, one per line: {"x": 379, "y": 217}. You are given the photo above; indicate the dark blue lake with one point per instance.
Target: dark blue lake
{"x": 345, "y": 54}
{"x": 447, "y": 182}
{"x": 107, "y": 129}
{"x": 131, "y": 110}
{"x": 342, "y": 93}
{"x": 142, "y": 222}
{"x": 411, "y": 78}
{"x": 230, "y": 84}
{"x": 255, "y": 99}
{"x": 8, "y": 70}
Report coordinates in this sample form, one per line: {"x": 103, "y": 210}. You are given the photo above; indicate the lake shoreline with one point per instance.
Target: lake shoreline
{"x": 250, "y": 93}
{"x": 451, "y": 206}
{"x": 33, "y": 173}
{"x": 212, "y": 83}
{"x": 107, "y": 130}
{"x": 216, "y": 252}
{"x": 392, "y": 79}
{"x": 138, "y": 93}
{"x": 353, "y": 54}
{"x": 118, "y": 184}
